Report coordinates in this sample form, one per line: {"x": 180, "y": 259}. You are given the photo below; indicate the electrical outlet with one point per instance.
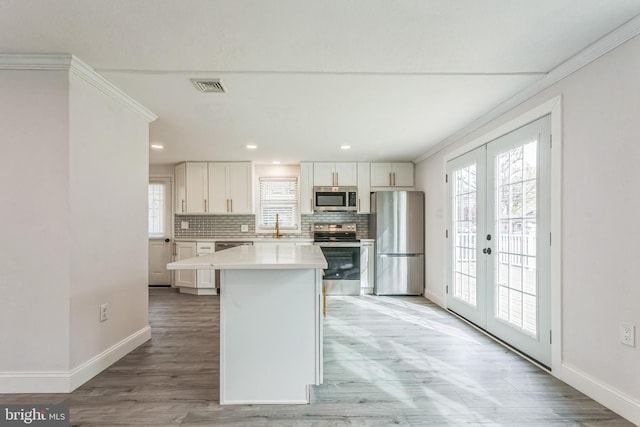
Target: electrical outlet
{"x": 184, "y": 225}
{"x": 103, "y": 312}
{"x": 628, "y": 334}
{"x": 244, "y": 228}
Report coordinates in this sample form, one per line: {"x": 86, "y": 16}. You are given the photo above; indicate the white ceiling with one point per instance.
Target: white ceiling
{"x": 390, "y": 78}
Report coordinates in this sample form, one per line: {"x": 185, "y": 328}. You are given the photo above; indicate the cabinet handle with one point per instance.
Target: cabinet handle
{"x": 205, "y": 206}
{"x": 394, "y": 179}
{"x": 324, "y": 301}
{"x": 311, "y": 204}
{"x": 390, "y": 180}
{"x": 183, "y": 206}
{"x": 358, "y": 210}
{"x": 175, "y": 249}
{"x": 231, "y": 204}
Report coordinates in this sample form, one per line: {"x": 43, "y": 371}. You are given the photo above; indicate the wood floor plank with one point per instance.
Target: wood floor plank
{"x": 388, "y": 361}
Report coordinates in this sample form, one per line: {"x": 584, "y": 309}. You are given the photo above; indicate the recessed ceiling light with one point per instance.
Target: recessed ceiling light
{"x": 345, "y": 147}
{"x": 252, "y": 146}
{"x": 157, "y": 146}
{"x": 276, "y": 162}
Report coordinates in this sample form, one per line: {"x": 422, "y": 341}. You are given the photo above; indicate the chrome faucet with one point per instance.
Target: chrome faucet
{"x": 278, "y": 234}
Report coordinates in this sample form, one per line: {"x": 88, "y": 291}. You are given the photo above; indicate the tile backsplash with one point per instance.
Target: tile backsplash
{"x": 228, "y": 226}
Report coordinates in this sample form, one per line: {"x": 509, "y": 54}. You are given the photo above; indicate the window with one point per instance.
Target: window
{"x": 156, "y": 210}
{"x": 278, "y": 196}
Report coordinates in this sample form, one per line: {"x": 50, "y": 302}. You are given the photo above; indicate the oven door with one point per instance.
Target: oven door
{"x": 342, "y": 275}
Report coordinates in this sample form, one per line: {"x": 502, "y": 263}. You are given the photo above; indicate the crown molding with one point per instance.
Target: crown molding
{"x": 89, "y": 75}
{"x": 612, "y": 40}
{"x": 44, "y": 61}
{"x": 72, "y": 64}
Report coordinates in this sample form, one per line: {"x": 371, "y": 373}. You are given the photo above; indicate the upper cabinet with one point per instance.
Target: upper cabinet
{"x": 230, "y": 187}
{"x": 214, "y": 187}
{"x": 392, "y": 174}
{"x": 330, "y": 174}
{"x": 306, "y": 187}
{"x": 364, "y": 188}
{"x": 181, "y": 188}
{"x": 197, "y": 188}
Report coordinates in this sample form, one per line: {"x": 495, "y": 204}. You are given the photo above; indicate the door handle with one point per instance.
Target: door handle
{"x": 167, "y": 240}
{"x": 486, "y": 251}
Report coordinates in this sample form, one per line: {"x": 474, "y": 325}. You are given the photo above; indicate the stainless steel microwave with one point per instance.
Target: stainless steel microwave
{"x": 335, "y": 198}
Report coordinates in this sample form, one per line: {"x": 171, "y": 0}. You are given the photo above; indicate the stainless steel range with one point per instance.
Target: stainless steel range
{"x": 341, "y": 248}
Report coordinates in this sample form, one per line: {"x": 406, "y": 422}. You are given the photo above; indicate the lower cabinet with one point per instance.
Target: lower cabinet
{"x": 195, "y": 282}
{"x": 367, "y": 269}
{"x": 184, "y": 278}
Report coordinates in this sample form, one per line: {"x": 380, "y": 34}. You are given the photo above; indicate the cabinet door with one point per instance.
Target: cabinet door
{"x": 239, "y": 186}
{"x": 205, "y": 278}
{"x": 197, "y": 193}
{"x": 346, "y": 173}
{"x": 181, "y": 188}
{"x": 306, "y": 187}
{"x": 403, "y": 174}
{"x": 218, "y": 188}
{"x": 367, "y": 271}
{"x": 380, "y": 174}
{"x": 185, "y": 278}
{"x": 364, "y": 188}
{"x": 324, "y": 174}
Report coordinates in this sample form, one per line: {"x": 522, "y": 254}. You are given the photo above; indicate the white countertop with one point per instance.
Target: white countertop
{"x": 255, "y": 258}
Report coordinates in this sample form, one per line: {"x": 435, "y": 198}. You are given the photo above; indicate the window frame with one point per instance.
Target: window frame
{"x": 259, "y": 228}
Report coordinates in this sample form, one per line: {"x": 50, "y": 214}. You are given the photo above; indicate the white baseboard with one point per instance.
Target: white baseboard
{"x": 92, "y": 367}
{"x": 435, "y": 299}
{"x": 620, "y": 403}
{"x": 66, "y": 382}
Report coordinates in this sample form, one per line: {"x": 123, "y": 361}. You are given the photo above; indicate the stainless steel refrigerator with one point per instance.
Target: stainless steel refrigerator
{"x": 397, "y": 223}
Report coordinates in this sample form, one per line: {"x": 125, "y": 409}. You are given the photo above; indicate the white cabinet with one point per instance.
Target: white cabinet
{"x": 367, "y": 270}
{"x": 205, "y": 279}
{"x": 230, "y": 188}
{"x": 181, "y": 188}
{"x": 306, "y": 187}
{"x": 392, "y": 174}
{"x": 329, "y": 174}
{"x": 184, "y": 278}
{"x": 197, "y": 187}
{"x": 212, "y": 187}
{"x": 364, "y": 188}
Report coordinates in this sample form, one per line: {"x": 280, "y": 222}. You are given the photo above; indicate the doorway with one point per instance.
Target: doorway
{"x": 160, "y": 203}
{"x": 498, "y": 238}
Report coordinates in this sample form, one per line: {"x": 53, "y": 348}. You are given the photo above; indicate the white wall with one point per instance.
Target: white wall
{"x": 34, "y": 222}
{"x": 74, "y": 224}
{"x": 600, "y": 226}
{"x": 109, "y": 157}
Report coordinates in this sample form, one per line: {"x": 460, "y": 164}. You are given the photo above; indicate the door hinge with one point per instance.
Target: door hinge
{"x": 446, "y": 234}
{"x": 446, "y": 178}
{"x": 447, "y": 289}
{"x": 549, "y": 238}
{"x": 550, "y": 337}
{"x": 550, "y": 141}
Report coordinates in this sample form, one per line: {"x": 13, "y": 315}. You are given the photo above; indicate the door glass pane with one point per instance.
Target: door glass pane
{"x": 156, "y": 210}
{"x": 516, "y": 275}
{"x": 464, "y": 230}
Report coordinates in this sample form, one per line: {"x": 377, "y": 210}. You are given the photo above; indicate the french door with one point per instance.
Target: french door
{"x": 499, "y": 238}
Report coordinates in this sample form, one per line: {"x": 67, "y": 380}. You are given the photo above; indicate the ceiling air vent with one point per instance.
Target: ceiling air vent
{"x": 208, "y": 85}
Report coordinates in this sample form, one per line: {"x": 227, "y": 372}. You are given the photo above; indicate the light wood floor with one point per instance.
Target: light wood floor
{"x": 388, "y": 361}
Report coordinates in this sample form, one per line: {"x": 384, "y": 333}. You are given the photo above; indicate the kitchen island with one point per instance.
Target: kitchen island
{"x": 270, "y": 321}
